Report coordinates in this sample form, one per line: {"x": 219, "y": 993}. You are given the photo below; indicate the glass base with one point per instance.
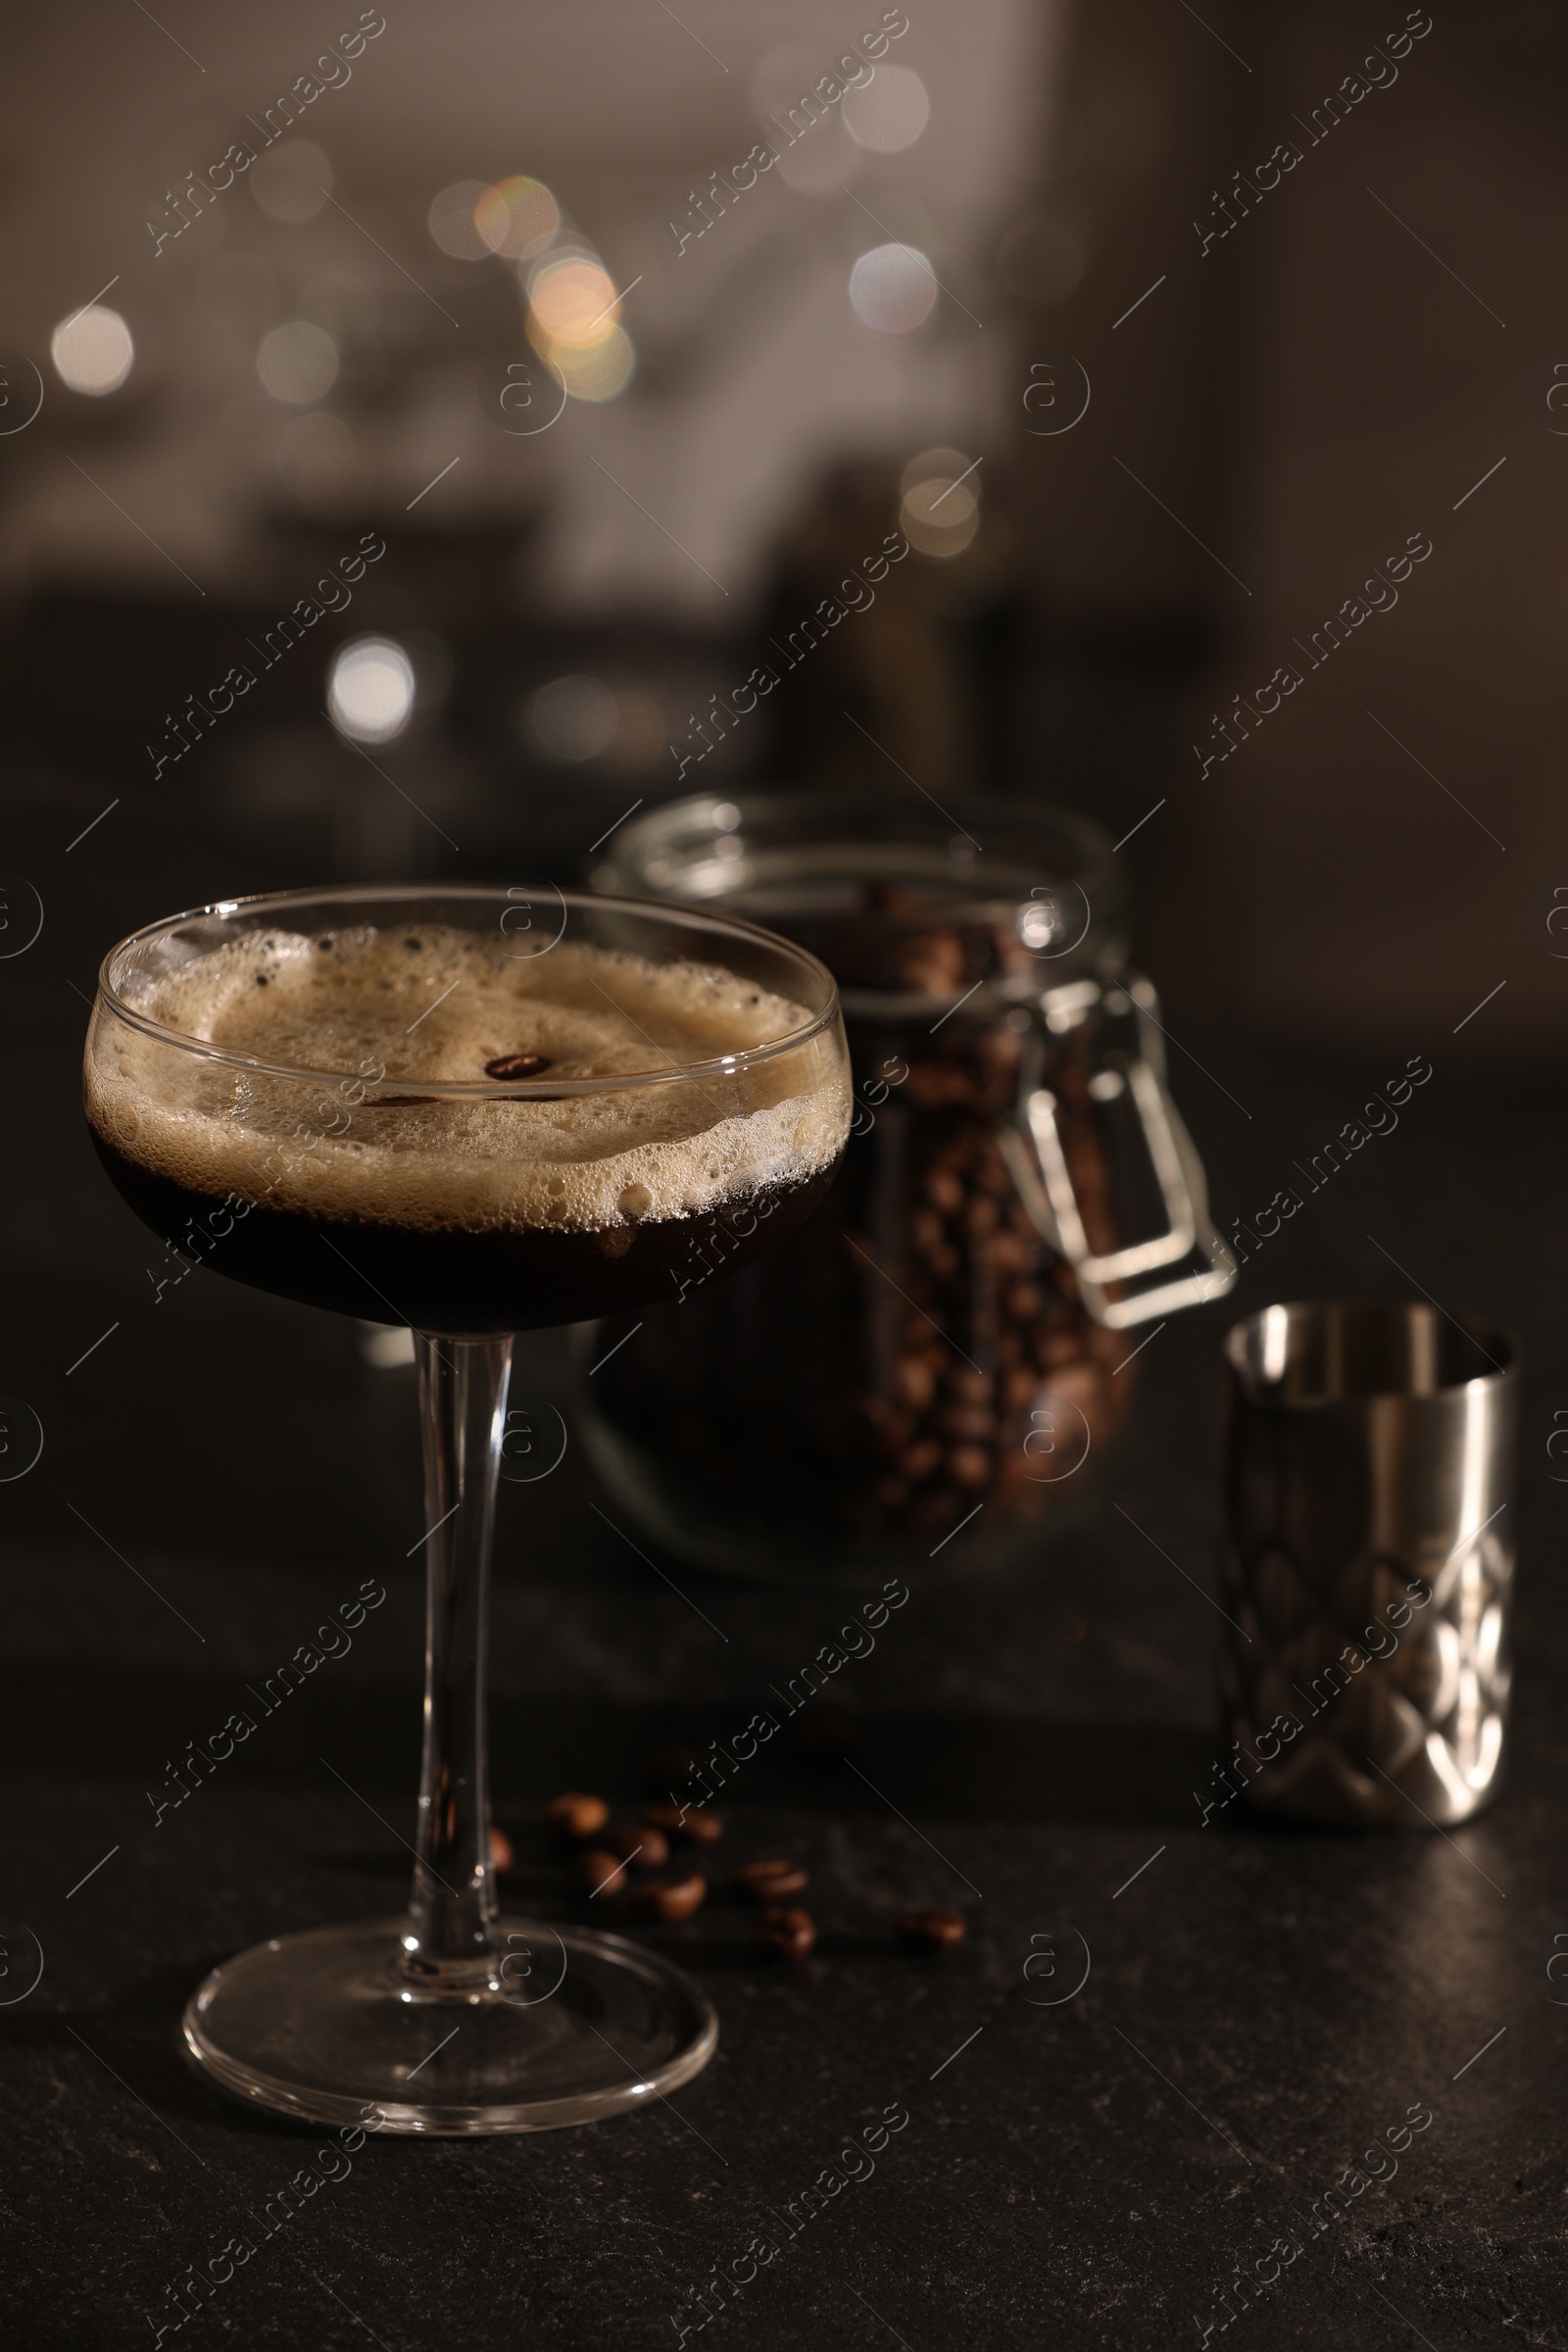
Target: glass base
{"x": 322, "y": 2025}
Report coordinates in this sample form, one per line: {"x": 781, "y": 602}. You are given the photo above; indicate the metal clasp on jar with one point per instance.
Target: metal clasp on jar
{"x": 1037, "y": 1160}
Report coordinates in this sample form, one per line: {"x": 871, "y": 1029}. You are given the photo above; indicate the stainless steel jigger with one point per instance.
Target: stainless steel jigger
{"x": 1369, "y": 1562}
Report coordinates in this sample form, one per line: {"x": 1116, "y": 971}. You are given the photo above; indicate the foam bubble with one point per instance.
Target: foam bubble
{"x": 432, "y": 1003}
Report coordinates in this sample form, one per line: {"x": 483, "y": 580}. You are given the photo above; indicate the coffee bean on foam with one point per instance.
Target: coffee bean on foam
{"x": 442, "y": 1006}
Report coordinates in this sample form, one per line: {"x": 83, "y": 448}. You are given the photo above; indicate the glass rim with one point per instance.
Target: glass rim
{"x": 765, "y": 805}
{"x": 491, "y": 1090}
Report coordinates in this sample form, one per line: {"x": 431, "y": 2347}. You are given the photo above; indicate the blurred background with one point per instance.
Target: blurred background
{"x": 631, "y": 332}
{"x": 420, "y": 428}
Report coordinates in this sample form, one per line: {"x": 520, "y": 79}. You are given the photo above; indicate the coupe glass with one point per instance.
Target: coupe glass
{"x": 412, "y": 1176}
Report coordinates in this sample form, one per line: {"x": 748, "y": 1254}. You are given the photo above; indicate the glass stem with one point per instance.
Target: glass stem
{"x": 448, "y": 1943}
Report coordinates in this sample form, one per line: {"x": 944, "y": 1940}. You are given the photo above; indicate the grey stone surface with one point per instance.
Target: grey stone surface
{"x": 1263, "y": 2005}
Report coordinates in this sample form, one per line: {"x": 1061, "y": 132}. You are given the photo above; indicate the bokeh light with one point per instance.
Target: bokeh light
{"x": 888, "y": 112}
{"x": 934, "y": 466}
{"x": 573, "y": 319}
{"x": 573, "y": 301}
{"x": 92, "y": 351}
{"x": 578, "y": 718}
{"x": 292, "y": 183}
{"x": 297, "y": 362}
{"x": 894, "y": 289}
{"x": 517, "y": 217}
{"x": 369, "y": 694}
{"x": 573, "y": 718}
{"x": 453, "y": 224}
{"x": 641, "y": 736}
{"x": 941, "y": 510}
{"x": 599, "y": 372}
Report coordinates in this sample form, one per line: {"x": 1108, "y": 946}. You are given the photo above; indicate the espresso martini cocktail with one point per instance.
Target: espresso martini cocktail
{"x": 476, "y": 1113}
{"x": 517, "y": 1142}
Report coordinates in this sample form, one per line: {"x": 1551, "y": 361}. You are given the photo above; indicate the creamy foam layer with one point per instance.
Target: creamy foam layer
{"x": 428, "y": 1003}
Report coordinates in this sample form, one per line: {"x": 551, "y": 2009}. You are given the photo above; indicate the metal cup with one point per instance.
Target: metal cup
{"x": 1368, "y": 1561}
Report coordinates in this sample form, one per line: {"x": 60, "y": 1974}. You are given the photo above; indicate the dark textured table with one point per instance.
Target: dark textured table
{"x": 1262, "y": 2008}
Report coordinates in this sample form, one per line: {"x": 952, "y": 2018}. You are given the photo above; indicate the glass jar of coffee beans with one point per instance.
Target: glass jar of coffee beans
{"x": 928, "y": 1375}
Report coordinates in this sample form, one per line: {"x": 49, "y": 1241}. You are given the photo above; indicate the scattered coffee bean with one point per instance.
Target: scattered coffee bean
{"x": 501, "y": 1855}
{"x": 770, "y": 1882}
{"x": 790, "y": 1933}
{"x": 674, "y": 1898}
{"x": 576, "y": 1814}
{"x": 931, "y": 1931}
{"x": 689, "y": 1824}
{"x": 599, "y": 1873}
{"x": 517, "y": 1066}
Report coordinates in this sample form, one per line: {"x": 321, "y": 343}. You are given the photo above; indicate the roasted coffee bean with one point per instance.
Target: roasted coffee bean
{"x": 517, "y": 1066}
{"x": 1026, "y": 1301}
{"x": 915, "y": 1380}
{"x": 968, "y": 1381}
{"x": 788, "y": 1934}
{"x": 931, "y": 1931}
{"x": 980, "y": 1217}
{"x": 969, "y": 1465}
{"x": 576, "y": 1814}
{"x": 932, "y": 961}
{"x": 501, "y": 1855}
{"x": 770, "y": 1882}
{"x": 689, "y": 1824}
{"x": 599, "y": 1873}
{"x": 928, "y": 1230}
{"x": 975, "y": 1423}
{"x": 921, "y": 1459}
{"x": 636, "y": 1839}
{"x": 674, "y": 1898}
{"x": 943, "y": 1191}
{"x": 1077, "y": 1384}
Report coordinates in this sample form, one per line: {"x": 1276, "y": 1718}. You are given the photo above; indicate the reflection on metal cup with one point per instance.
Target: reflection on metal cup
{"x": 1368, "y": 1561}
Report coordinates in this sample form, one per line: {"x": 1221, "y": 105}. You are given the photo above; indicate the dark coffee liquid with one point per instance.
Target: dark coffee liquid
{"x": 455, "y": 1281}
